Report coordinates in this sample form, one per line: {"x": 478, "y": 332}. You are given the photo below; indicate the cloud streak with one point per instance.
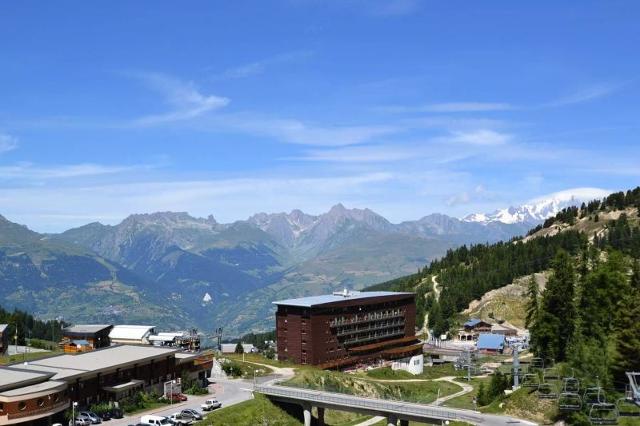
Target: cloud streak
{"x": 187, "y": 101}
{"x": 449, "y": 107}
{"x": 585, "y": 95}
{"x": 259, "y": 67}
{"x": 31, "y": 172}
{"x": 7, "y": 143}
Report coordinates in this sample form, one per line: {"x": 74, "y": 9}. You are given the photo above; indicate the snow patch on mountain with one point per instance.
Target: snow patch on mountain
{"x": 539, "y": 209}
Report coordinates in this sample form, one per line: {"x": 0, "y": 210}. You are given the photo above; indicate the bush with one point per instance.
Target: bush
{"x": 101, "y": 408}
{"x": 191, "y": 386}
{"x": 232, "y": 369}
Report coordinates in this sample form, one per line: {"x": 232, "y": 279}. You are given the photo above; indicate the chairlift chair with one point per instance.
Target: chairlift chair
{"x": 570, "y": 385}
{"x": 536, "y": 364}
{"x": 550, "y": 373}
{"x": 530, "y": 380}
{"x": 603, "y": 413}
{"x": 593, "y": 395}
{"x": 569, "y": 401}
{"x": 546, "y": 391}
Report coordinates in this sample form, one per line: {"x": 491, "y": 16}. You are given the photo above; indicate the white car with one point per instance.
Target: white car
{"x": 155, "y": 420}
{"x": 179, "y": 419}
{"x": 210, "y": 404}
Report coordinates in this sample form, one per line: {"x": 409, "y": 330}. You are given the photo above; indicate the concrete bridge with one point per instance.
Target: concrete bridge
{"x": 394, "y": 411}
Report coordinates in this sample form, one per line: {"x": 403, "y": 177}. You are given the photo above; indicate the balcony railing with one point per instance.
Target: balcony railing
{"x": 371, "y": 337}
{"x": 369, "y": 328}
{"x": 365, "y": 318}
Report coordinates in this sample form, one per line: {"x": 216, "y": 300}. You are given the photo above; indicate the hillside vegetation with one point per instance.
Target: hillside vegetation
{"x": 467, "y": 273}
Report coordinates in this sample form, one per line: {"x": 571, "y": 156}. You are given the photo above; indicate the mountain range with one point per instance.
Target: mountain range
{"x": 176, "y": 270}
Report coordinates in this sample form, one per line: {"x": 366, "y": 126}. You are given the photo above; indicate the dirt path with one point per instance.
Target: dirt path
{"x": 466, "y": 388}
{"x": 286, "y": 372}
{"x": 436, "y": 293}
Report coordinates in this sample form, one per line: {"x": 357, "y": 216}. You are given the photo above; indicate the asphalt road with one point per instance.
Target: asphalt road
{"x": 228, "y": 392}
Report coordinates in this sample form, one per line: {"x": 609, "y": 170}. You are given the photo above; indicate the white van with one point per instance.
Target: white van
{"x": 155, "y": 420}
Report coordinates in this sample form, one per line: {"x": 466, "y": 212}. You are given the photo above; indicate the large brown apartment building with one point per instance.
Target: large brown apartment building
{"x": 347, "y": 328}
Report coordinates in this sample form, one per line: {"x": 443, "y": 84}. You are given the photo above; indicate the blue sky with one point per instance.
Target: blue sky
{"x": 407, "y": 107}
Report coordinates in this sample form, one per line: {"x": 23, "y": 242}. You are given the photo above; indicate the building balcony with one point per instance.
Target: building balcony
{"x": 395, "y": 324}
{"x": 374, "y": 316}
{"x": 370, "y": 337}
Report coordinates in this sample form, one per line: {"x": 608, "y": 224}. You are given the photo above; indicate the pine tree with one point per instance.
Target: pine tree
{"x": 532, "y": 303}
{"x": 239, "y": 348}
{"x": 628, "y": 334}
{"x": 635, "y": 275}
{"x": 555, "y": 325}
{"x": 482, "y": 397}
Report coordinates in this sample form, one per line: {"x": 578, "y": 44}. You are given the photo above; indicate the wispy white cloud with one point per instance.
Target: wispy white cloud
{"x": 259, "y": 67}
{"x": 478, "y": 194}
{"x": 482, "y": 137}
{"x": 296, "y": 131}
{"x": 580, "y": 193}
{"x": 7, "y": 142}
{"x": 361, "y": 154}
{"x": 449, "y": 107}
{"x": 30, "y": 171}
{"x": 185, "y": 98}
{"x": 585, "y": 95}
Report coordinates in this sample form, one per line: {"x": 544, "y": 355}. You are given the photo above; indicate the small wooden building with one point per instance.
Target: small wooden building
{"x": 471, "y": 329}
{"x": 83, "y": 338}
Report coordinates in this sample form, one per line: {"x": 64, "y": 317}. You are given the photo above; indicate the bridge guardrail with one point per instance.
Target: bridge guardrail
{"x": 364, "y": 402}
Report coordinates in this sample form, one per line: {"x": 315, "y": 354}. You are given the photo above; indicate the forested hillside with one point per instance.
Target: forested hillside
{"x": 29, "y": 326}
{"x": 468, "y": 272}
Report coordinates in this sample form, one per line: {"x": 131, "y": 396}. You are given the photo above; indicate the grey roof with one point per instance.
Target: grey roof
{"x": 332, "y": 298}
{"x": 3, "y": 327}
{"x": 44, "y": 386}
{"x": 57, "y": 373}
{"x": 68, "y": 366}
{"x": 87, "y": 328}
{"x": 11, "y": 377}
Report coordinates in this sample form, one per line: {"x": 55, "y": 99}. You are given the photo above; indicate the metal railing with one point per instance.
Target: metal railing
{"x": 370, "y": 328}
{"x": 374, "y": 316}
{"x": 371, "y": 337}
{"x": 372, "y": 404}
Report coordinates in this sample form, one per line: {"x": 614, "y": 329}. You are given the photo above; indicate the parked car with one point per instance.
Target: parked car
{"x": 210, "y": 404}
{"x": 178, "y": 396}
{"x": 155, "y": 420}
{"x": 82, "y": 421}
{"x": 93, "y": 417}
{"x": 105, "y": 416}
{"x": 179, "y": 419}
{"x": 191, "y": 413}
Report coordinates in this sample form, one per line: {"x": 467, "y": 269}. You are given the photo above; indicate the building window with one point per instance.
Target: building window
{"x": 22, "y": 405}
{"x": 40, "y": 402}
{"x": 1, "y": 407}
{"x": 56, "y": 398}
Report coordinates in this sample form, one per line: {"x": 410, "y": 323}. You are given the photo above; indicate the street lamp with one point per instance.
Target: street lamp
{"x": 73, "y": 413}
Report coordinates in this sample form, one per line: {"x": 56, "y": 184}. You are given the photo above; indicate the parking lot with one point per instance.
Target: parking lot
{"x": 228, "y": 392}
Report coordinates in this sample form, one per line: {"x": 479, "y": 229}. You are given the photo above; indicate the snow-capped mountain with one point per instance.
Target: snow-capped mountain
{"x": 539, "y": 209}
